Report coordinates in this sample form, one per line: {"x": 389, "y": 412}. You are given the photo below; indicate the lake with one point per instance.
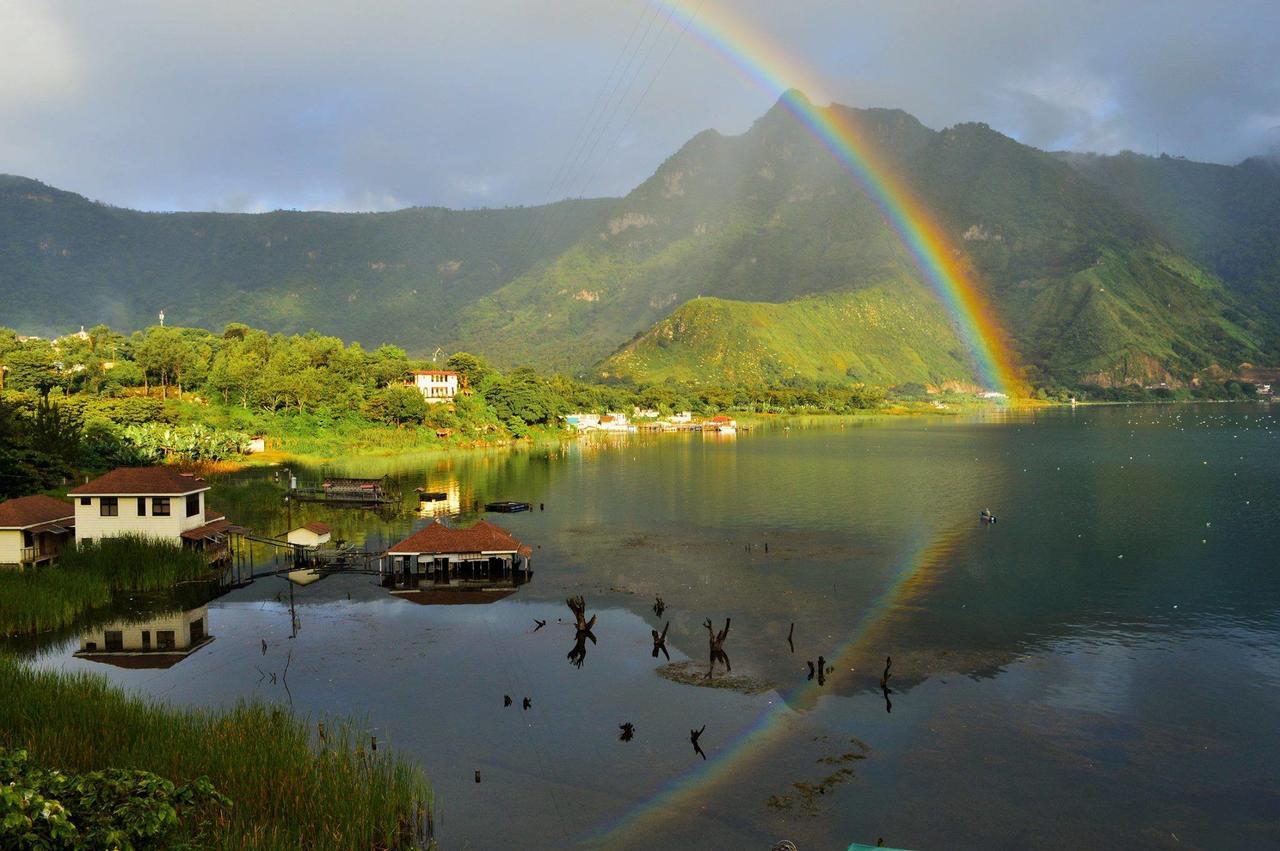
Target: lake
{"x": 1100, "y": 668}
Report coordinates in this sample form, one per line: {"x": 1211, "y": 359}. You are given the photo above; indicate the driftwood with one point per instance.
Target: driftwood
{"x": 694, "y": 735}
{"x": 660, "y": 641}
{"x": 716, "y": 640}
{"x": 628, "y": 731}
{"x": 658, "y": 606}
{"x": 582, "y": 631}
{"x": 884, "y": 684}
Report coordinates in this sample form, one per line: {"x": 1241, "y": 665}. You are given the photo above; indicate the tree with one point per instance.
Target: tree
{"x": 397, "y": 405}
{"x": 472, "y": 369}
{"x": 33, "y": 366}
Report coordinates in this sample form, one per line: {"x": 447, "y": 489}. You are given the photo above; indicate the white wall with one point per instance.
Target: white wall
{"x": 91, "y": 524}
{"x": 10, "y": 547}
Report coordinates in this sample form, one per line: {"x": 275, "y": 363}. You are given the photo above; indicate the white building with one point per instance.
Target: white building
{"x": 157, "y": 502}
{"x": 312, "y": 534}
{"x": 436, "y": 385}
{"x": 34, "y": 529}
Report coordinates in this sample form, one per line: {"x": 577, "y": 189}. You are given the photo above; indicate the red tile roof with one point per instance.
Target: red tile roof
{"x": 209, "y": 530}
{"x": 29, "y": 511}
{"x": 142, "y": 480}
{"x": 317, "y": 527}
{"x": 445, "y": 372}
{"x": 483, "y": 537}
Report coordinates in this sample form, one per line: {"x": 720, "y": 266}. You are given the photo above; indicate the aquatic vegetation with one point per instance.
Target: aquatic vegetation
{"x": 288, "y": 789}
{"x": 87, "y": 576}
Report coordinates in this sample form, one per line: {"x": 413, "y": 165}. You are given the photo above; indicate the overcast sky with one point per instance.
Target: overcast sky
{"x": 378, "y": 105}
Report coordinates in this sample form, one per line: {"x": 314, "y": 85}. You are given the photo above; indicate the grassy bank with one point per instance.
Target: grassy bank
{"x": 289, "y": 789}
{"x": 87, "y": 576}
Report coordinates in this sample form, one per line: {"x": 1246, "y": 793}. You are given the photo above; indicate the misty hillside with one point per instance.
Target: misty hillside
{"x": 1226, "y": 218}
{"x": 742, "y": 258}
{"x": 400, "y": 277}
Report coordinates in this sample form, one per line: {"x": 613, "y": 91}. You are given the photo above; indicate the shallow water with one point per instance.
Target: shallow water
{"x": 1101, "y": 668}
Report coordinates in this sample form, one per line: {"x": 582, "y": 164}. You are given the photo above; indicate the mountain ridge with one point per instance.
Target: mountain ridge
{"x": 1089, "y": 284}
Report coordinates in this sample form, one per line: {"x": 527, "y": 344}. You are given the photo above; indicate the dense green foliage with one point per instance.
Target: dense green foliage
{"x": 1096, "y": 267}
{"x": 40, "y": 446}
{"x": 188, "y": 395}
{"x": 287, "y": 790}
{"x": 110, "y": 808}
{"x": 87, "y": 575}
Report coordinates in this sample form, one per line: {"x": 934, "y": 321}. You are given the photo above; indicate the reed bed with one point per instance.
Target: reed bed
{"x": 289, "y": 788}
{"x": 87, "y": 575}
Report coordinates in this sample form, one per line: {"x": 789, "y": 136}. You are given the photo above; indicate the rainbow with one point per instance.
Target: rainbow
{"x": 944, "y": 266}
{"x": 915, "y": 572}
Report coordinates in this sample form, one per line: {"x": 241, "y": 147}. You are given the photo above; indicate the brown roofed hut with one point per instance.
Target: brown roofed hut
{"x": 439, "y": 555}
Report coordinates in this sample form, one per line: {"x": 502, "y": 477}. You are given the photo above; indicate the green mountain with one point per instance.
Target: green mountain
{"x": 399, "y": 277}
{"x": 742, "y": 259}
{"x": 1226, "y": 218}
{"x": 1088, "y": 290}
{"x": 903, "y": 335}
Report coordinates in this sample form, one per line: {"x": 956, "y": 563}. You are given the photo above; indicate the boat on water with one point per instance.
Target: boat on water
{"x": 507, "y": 506}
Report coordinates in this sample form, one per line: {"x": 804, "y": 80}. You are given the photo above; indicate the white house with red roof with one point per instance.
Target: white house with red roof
{"x": 34, "y": 530}
{"x": 158, "y": 502}
{"x": 436, "y": 385}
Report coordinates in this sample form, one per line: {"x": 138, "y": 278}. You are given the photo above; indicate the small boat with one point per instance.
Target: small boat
{"x": 507, "y": 506}
{"x": 986, "y": 516}
{"x": 431, "y": 496}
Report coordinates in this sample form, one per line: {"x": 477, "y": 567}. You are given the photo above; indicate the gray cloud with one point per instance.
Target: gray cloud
{"x": 247, "y": 106}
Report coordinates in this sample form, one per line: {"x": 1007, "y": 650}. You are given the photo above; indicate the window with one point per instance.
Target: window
{"x": 142, "y": 506}
{"x": 193, "y": 505}
{"x": 84, "y": 500}
{"x": 109, "y": 506}
{"x": 164, "y": 639}
{"x": 113, "y": 639}
{"x": 160, "y": 506}
{"x": 146, "y": 639}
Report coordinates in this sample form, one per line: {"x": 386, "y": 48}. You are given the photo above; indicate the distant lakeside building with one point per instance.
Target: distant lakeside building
{"x": 436, "y": 385}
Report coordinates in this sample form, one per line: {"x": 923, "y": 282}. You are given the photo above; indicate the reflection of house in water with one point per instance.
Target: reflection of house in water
{"x": 483, "y": 555}
{"x": 161, "y": 642}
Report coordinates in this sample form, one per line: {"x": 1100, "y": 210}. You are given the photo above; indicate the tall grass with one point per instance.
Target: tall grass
{"x": 87, "y": 575}
{"x": 288, "y": 790}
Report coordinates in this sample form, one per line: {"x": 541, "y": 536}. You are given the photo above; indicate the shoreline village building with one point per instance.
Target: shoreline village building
{"x": 439, "y": 555}
{"x": 34, "y": 530}
{"x": 158, "y": 502}
{"x": 436, "y": 385}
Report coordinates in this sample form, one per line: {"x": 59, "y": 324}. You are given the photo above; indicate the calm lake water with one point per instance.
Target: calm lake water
{"x": 1099, "y": 669}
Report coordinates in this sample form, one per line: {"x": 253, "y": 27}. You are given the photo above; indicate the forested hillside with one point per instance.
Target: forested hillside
{"x": 397, "y": 277}
{"x": 750, "y": 257}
